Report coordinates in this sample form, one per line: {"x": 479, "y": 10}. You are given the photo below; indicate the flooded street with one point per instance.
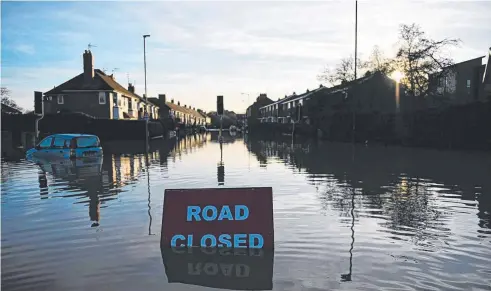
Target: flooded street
{"x": 346, "y": 217}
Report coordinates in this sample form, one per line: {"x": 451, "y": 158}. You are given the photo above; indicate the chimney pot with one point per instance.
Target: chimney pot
{"x": 179, "y": 103}
{"x": 131, "y": 88}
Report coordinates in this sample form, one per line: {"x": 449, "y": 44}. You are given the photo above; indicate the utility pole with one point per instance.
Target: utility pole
{"x": 356, "y": 63}
{"x": 145, "y": 71}
{"x": 145, "y": 65}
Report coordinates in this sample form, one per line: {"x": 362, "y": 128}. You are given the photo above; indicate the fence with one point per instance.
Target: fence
{"x": 106, "y": 129}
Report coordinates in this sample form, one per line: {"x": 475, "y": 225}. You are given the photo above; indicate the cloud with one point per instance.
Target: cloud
{"x": 198, "y": 50}
{"x": 25, "y": 49}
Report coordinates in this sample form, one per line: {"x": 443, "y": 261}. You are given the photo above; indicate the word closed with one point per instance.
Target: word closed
{"x": 223, "y": 218}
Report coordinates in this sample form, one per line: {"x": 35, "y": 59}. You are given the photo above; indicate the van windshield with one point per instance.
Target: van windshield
{"x": 87, "y": 142}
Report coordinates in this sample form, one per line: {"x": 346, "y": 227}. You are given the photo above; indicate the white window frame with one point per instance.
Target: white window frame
{"x": 62, "y": 99}
{"x": 102, "y": 94}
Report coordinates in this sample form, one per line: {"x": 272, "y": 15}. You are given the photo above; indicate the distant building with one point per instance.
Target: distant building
{"x": 461, "y": 83}
{"x": 7, "y": 109}
{"x": 95, "y": 93}
{"x": 372, "y": 94}
{"x": 252, "y": 111}
{"x": 180, "y": 114}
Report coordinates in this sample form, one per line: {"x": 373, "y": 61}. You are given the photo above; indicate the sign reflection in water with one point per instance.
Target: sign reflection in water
{"x": 418, "y": 210}
{"x": 234, "y": 269}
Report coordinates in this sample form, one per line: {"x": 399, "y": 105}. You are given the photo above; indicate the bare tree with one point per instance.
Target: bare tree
{"x": 343, "y": 72}
{"x": 7, "y": 100}
{"x": 378, "y": 62}
{"x": 419, "y": 56}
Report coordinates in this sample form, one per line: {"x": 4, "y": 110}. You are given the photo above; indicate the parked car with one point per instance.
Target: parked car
{"x": 67, "y": 146}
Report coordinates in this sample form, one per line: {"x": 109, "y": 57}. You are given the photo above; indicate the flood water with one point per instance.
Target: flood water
{"x": 346, "y": 218}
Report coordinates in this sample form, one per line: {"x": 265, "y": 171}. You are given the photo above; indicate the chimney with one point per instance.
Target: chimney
{"x": 308, "y": 91}
{"x": 131, "y": 88}
{"x": 194, "y": 108}
{"x": 162, "y": 99}
{"x": 179, "y": 103}
{"x": 88, "y": 66}
{"x": 172, "y": 101}
{"x": 111, "y": 76}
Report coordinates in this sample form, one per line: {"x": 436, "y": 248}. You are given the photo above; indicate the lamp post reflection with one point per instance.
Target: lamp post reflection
{"x": 221, "y": 165}
{"x": 347, "y": 277}
{"x": 147, "y": 166}
{"x": 43, "y": 185}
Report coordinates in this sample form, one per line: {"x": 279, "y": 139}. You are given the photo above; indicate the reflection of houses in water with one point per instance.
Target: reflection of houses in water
{"x": 403, "y": 184}
{"x": 189, "y": 144}
{"x": 96, "y": 182}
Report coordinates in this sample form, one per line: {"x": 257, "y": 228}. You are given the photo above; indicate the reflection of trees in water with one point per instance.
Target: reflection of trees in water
{"x": 383, "y": 183}
{"x": 412, "y": 211}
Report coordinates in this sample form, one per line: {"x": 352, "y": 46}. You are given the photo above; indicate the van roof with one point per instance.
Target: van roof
{"x": 72, "y": 135}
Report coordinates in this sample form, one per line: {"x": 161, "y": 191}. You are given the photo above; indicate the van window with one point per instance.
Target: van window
{"x": 59, "y": 143}
{"x": 45, "y": 143}
{"x": 87, "y": 142}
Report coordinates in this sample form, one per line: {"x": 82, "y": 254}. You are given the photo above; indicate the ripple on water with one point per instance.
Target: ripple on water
{"x": 340, "y": 224}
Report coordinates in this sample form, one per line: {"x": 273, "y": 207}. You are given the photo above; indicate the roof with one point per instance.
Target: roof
{"x": 153, "y": 100}
{"x": 9, "y": 109}
{"x": 460, "y": 63}
{"x": 101, "y": 82}
{"x": 331, "y": 90}
{"x": 487, "y": 71}
{"x": 184, "y": 110}
{"x": 296, "y": 97}
{"x": 72, "y": 135}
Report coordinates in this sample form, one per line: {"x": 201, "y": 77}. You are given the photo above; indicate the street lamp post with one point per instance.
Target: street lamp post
{"x": 356, "y": 63}
{"x": 145, "y": 66}
{"x": 145, "y": 72}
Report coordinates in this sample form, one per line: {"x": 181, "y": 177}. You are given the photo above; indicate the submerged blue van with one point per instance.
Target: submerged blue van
{"x": 67, "y": 146}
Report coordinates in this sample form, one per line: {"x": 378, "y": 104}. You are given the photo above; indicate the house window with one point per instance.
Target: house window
{"x": 61, "y": 99}
{"x": 468, "y": 86}
{"x": 102, "y": 98}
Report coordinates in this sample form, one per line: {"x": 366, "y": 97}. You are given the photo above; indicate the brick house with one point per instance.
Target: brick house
{"x": 95, "y": 93}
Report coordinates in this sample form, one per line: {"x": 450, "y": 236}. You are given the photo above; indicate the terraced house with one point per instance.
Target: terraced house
{"x": 372, "y": 94}
{"x": 95, "y": 93}
{"x": 290, "y": 108}
{"x": 184, "y": 114}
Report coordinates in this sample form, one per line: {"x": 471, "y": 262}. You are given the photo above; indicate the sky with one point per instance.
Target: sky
{"x": 198, "y": 50}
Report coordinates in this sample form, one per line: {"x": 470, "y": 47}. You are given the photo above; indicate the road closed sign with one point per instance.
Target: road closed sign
{"x": 221, "y": 217}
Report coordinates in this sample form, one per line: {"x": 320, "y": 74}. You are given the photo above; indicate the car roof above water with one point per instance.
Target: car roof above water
{"x": 72, "y": 135}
